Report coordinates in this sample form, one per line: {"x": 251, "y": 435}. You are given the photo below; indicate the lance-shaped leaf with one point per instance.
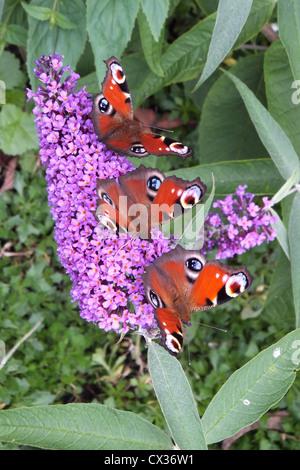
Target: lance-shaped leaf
{"x": 293, "y": 232}
{"x": 231, "y": 17}
{"x": 289, "y": 31}
{"x": 80, "y": 427}
{"x": 175, "y": 398}
{"x": 272, "y": 135}
{"x": 253, "y": 389}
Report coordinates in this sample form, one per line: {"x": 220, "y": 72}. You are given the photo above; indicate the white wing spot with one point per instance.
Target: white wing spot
{"x": 217, "y": 275}
{"x": 276, "y": 352}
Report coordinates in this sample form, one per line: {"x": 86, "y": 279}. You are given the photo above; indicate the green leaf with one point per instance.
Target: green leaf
{"x": 281, "y": 104}
{"x": 1, "y": 9}
{"x": 252, "y": 390}
{"x": 281, "y": 233}
{"x": 17, "y": 131}
{"x": 37, "y": 12}
{"x": 69, "y": 42}
{"x": 261, "y": 176}
{"x": 226, "y": 131}
{"x": 260, "y": 14}
{"x": 109, "y": 24}
{"x": 289, "y": 32}
{"x": 156, "y": 12}
{"x": 293, "y": 231}
{"x": 175, "y": 398}
{"x": 231, "y": 17}
{"x": 284, "y": 190}
{"x": 151, "y": 48}
{"x": 80, "y": 427}
{"x": 62, "y": 21}
{"x": 272, "y": 135}
{"x": 10, "y": 72}
{"x": 15, "y": 34}
{"x": 184, "y": 59}
{"x": 278, "y": 309}
{"x": 208, "y": 6}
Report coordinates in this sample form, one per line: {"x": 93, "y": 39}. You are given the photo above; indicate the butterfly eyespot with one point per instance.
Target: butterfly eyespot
{"x": 236, "y": 284}
{"x": 178, "y": 147}
{"x": 154, "y": 183}
{"x": 155, "y": 300}
{"x": 138, "y": 148}
{"x": 107, "y": 199}
{"x": 190, "y": 197}
{"x": 103, "y": 105}
{"x": 194, "y": 266}
{"x": 117, "y": 73}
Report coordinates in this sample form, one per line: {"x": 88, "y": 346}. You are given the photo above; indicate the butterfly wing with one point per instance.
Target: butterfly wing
{"x": 180, "y": 282}
{"x": 142, "y": 184}
{"x": 218, "y": 283}
{"x": 174, "y": 196}
{"x": 113, "y": 105}
{"x": 115, "y": 88}
{"x": 126, "y": 204}
{"x": 161, "y": 289}
{"x": 167, "y": 288}
{"x": 112, "y": 205}
{"x": 114, "y": 122}
{"x": 157, "y": 144}
{"x": 171, "y": 328}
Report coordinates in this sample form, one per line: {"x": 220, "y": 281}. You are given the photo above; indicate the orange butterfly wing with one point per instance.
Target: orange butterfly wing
{"x": 114, "y": 122}
{"x": 180, "y": 282}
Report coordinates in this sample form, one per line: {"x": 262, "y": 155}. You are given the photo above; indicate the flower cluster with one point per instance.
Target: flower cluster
{"x": 105, "y": 269}
{"x": 238, "y": 224}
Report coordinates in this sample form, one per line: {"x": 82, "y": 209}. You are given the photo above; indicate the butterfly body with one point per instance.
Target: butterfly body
{"x": 143, "y": 199}
{"x": 114, "y": 121}
{"x": 182, "y": 281}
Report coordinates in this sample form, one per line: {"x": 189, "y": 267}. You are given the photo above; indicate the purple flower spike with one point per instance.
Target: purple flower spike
{"x": 105, "y": 269}
{"x": 239, "y": 225}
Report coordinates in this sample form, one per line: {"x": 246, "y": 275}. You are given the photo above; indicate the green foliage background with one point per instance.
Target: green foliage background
{"x": 163, "y": 46}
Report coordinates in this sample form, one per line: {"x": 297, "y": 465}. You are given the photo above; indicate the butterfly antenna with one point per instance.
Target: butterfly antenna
{"x": 209, "y": 326}
{"x": 153, "y": 127}
{"x": 157, "y": 128}
{"x": 125, "y": 244}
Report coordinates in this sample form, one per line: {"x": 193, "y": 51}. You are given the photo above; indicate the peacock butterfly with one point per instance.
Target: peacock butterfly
{"x": 182, "y": 281}
{"x": 144, "y": 198}
{"x": 114, "y": 122}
